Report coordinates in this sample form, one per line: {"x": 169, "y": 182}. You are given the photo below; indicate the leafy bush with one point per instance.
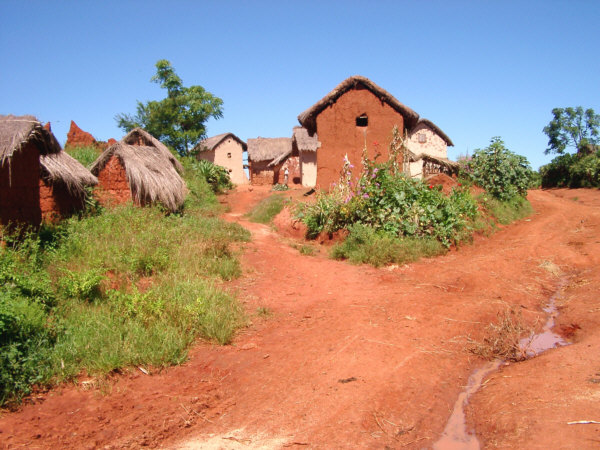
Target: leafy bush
{"x": 391, "y": 203}
{"x": 508, "y": 211}
{"x": 572, "y": 170}
{"x": 502, "y": 173}
{"x": 216, "y": 176}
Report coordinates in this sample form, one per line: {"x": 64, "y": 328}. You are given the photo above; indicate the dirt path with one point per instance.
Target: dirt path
{"x": 350, "y": 356}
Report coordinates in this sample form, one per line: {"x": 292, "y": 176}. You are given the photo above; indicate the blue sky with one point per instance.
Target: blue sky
{"x": 476, "y": 68}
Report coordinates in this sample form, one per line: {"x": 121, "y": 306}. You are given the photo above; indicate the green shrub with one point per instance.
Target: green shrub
{"x": 391, "y": 203}
{"x": 502, "y": 173}
{"x": 572, "y": 170}
{"x": 506, "y": 212}
{"x": 216, "y": 176}
{"x": 267, "y": 209}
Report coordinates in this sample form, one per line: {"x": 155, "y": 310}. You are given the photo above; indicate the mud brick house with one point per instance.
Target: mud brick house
{"x": 141, "y": 169}
{"x": 355, "y": 114}
{"x": 38, "y": 180}
{"x": 225, "y": 150}
{"x": 306, "y": 147}
{"x": 428, "y": 145}
{"x": 268, "y": 158}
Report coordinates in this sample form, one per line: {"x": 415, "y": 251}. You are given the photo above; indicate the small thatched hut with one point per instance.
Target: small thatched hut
{"x": 38, "y": 180}
{"x": 428, "y": 145}
{"x": 268, "y": 159}
{"x": 306, "y": 146}
{"x": 225, "y": 150}
{"x": 142, "y": 169}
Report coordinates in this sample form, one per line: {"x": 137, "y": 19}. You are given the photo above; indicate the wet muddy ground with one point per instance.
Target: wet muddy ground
{"x": 356, "y": 357}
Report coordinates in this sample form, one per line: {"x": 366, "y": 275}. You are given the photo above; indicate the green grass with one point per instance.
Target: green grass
{"x": 506, "y": 212}
{"x": 129, "y": 286}
{"x": 85, "y": 155}
{"x": 267, "y": 209}
{"x": 366, "y": 246}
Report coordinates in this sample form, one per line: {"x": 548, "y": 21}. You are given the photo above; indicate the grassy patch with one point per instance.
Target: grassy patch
{"x": 365, "y": 245}
{"x": 126, "y": 287}
{"x": 267, "y": 209}
{"x": 506, "y": 212}
{"x": 85, "y": 155}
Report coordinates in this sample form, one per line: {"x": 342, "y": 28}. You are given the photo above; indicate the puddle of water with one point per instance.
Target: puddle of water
{"x": 455, "y": 435}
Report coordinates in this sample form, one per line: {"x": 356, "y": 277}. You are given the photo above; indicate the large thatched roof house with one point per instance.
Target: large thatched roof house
{"x": 38, "y": 180}
{"x": 269, "y": 158}
{"x": 225, "y": 150}
{"x": 355, "y": 113}
{"x": 142, "y": 169}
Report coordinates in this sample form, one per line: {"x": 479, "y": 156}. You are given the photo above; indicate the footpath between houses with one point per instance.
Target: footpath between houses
{"x": 356, "y": 356}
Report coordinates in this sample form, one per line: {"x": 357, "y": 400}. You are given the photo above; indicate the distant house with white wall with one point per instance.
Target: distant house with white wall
{"x": 428, "y": 145}
{"x": 306, "y": 147}
{"x": 225, "y": 150}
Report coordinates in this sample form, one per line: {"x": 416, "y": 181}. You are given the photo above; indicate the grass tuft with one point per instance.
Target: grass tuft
{"x": 267, "y": 209}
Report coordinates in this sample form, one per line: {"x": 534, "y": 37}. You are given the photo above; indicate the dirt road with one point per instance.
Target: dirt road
{"x": 343, "y": 356}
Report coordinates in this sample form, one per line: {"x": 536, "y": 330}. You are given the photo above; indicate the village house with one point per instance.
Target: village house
{"x": 141, "y": 169}
{"x": 268, "y": 160}
{"x": 428, "y": 145}
{"x": 225, "y": 150}
{"x": 358, "y": 114}
{"x": 38, "y": 180}
{"x": 306, "y": 147}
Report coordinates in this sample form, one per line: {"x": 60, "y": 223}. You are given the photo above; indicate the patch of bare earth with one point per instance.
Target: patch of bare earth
{"x": 353, "y": 356}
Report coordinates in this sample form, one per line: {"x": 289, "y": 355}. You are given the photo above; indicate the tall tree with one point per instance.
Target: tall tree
{"x": 572, "y": 127}
{"x": 179, "y": 119}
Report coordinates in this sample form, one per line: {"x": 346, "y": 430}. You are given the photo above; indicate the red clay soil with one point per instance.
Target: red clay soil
{"x": 76, "y": 137}
{"x": 356, "y": 357}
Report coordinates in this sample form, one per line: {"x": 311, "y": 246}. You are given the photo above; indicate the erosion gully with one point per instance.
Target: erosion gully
{"x": 455, "y": 435}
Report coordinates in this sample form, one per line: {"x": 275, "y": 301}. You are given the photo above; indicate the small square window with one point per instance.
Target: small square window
{"x": 362, "y": 121}
{"x": 229, "y": 155}
{"x": 422, "y": 138}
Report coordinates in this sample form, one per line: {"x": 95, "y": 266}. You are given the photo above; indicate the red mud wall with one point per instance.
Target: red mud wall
{"x": 294, "y": 175}
{"x": 260, "y": 174}
{"x": 19, "y": 187}
{"x": 113, "y": 188}
{"x": 338, "y": 133}
{"x": 57, "y": 202}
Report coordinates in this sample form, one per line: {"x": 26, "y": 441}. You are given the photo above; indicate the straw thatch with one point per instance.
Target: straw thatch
{"x": 443, "y": 162}
{"x": 308, "y": 118}
{"x": 305, "y": 142}
{"x": 266, "y": 149}
{"x": 211, "y": 143}
{"x": 56, "y": 166}
{"x": 151, "y": 169}
{"x": 436, "y": 129}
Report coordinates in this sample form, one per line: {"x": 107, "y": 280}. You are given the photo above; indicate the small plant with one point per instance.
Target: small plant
{"x": 280, "y": 187}
{"x": 307, "y": 250}
{"x": 263, "y": 311}
{"x": 267, "y": 209}
{"x": 85, "y": 155}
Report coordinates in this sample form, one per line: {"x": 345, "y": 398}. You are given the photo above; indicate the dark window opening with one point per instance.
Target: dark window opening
{"x": 362, "y": 121}
{"x": 229, "y": 155}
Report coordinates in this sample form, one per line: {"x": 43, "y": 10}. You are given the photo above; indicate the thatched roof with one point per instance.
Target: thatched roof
{"x": 212, "y": 142}
{"x": 137, "y": 136}
{"x": 304, "y": 141}
{"x": 428, "y": 123}
{"x": 151, "y": 169}
{"x": 444, "y": 162}
{"x": 56, "y": 166}
{"x": 267, "y": 149}
{"x": 308, "y": 118}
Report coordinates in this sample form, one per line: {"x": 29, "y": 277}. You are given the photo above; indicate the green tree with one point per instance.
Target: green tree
{"x": 572, "y": 127}
{"x": 502, "y": 173}
{"x": 178, "y": 120}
